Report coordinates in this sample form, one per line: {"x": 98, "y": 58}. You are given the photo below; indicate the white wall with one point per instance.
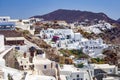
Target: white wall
{"x": 2, "y": 46}
{"x": 79, "y": 75}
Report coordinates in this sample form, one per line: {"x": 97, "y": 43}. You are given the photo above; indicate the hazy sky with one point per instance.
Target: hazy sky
{"x": 28, "y": 8}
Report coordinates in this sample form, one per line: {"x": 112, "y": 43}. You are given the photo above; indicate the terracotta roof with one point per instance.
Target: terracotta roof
{"x": 10, "y": 33}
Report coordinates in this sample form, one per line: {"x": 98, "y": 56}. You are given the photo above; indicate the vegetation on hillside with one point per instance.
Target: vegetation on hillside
{"x": 76, "y": 53}
{"x": 97, "y": 61}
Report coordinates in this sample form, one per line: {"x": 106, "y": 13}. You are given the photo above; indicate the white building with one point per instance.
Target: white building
{"x": 25, "y": 25}
{"x": 110, "y": 78}
{"x": 106, "y": 68}
{"x": 69, "y": 72}
{"x": 2, "y": 46}
{"x": 4, "y": 18}
{"x": 96, "y": 28}
{"x": 44, "y": 66}
{"x": 92, "y": 47}
{"x": 24, "y": 63}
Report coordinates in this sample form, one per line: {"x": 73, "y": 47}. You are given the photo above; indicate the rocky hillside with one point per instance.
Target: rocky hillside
{"x": 76, "y": 15}
{"x": 111, "y": 35}
{"x": 118, "y": 20}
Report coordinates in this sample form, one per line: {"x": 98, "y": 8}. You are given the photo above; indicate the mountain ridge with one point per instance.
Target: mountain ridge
{"x": 71, "y": 16}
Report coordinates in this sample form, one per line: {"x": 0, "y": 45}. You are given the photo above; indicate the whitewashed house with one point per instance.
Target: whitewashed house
{"x": 103, "y": 69}
{"x": 42, "y": 65}
{"x": 24, "y": 63}
{"x": 69, "y": 72}
{"x": 25, "y": 25}
{"x": 109, "y": 69}
{"x": 4, "y": 18}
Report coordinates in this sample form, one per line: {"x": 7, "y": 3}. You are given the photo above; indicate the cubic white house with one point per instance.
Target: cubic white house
{"x": 69, "y": 72}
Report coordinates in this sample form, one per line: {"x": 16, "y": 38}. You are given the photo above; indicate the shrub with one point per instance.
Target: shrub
{"x": 80, "y": 65}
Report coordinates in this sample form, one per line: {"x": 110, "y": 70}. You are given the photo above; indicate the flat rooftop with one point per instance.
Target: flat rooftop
{"x": 10, "y": 33}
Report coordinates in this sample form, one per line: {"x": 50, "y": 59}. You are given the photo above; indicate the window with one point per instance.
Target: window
{"x": 110, "y": 70}
{"x": 68, "y": 36}
{"x": 77, "y": 75}
{"x": 18, "y": 48}
{"x": 45, "y": 66}
{"x": 4, "y": 19}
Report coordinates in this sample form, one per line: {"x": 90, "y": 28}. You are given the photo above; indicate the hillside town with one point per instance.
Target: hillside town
{"x": 36, "y": 49}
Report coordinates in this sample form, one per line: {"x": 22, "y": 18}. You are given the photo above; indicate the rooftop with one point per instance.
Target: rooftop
{"x": 41, "y": 61}
{"x": 71, "y": 68}
{"x": 10, "y": 33}
{"x": 7, "y": 23}
{"x": 102, "y": 66}
{"x": 39, "y": 77}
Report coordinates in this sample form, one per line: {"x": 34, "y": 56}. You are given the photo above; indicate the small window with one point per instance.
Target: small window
{"x": 4, "y": 19}
{"x": 77, "y": 75}
{"x": 110, "y": 70}
{"x": 45, "y": 66}
{"x": 78, "y": 79}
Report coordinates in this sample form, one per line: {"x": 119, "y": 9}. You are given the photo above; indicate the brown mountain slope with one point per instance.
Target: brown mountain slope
{"x": 76, "y": 15}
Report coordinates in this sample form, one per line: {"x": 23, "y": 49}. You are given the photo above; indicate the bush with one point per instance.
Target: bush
{"x": 97, "y": 61}
{"x": 80, "y": 65}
